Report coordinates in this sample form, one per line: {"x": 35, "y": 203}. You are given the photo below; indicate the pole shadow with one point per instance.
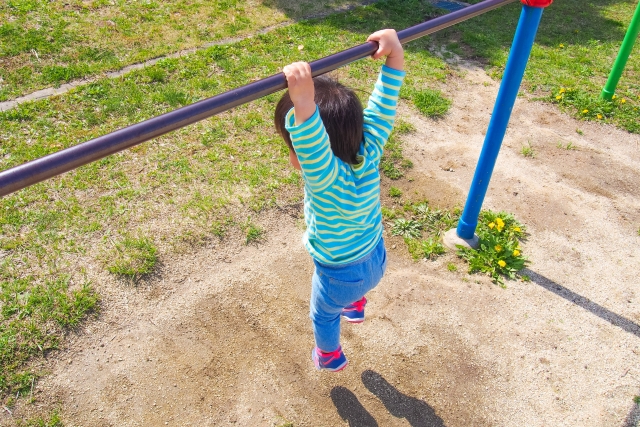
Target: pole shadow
{"x": 603, "y": 313}
{"x": 415, "y": 411}
{"x": 633, "y": 420}
{"x": 350, "y": 409}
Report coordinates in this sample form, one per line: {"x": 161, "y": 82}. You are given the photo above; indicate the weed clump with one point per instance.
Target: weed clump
{"x": 132, "y": 257}
{"x": 499, "y": 254}
{"x": 431, "y": 103}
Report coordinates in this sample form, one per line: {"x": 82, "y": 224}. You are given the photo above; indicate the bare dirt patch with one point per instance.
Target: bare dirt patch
{"x": 221, "y": 335}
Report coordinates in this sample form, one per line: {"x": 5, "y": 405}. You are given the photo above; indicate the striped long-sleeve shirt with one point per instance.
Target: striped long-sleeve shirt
{"x": 342, "y": 201}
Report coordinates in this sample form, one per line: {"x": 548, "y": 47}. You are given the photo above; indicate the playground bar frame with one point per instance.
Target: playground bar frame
{"x": 511, "y": 80}
{"x": 46, "y": 167}
{"x": 623, "y": 55}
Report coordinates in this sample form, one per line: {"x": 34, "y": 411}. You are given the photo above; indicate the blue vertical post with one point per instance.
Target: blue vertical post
{"x": 511, "y": 80}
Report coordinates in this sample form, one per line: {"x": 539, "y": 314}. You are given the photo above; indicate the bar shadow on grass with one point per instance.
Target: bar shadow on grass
{"x": 603, "y": 313}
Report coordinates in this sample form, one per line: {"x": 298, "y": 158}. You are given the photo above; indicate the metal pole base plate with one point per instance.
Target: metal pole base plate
{"x": 452, "y": 240}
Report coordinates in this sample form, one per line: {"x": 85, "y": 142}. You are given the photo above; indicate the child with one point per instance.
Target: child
{"x": 338, "y": 147}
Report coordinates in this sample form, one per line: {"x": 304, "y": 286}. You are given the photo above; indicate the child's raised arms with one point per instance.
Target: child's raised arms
{"x": 300, "y": 81}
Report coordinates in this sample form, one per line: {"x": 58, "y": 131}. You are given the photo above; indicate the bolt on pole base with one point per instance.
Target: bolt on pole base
{"x": 451, "y": 240}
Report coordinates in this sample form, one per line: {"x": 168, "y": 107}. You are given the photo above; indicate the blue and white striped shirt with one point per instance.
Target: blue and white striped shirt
{"x": 342, "y": 201}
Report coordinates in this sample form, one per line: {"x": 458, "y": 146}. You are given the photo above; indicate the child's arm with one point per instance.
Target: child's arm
{"x": 308, "y": 135}
{"x": 380, "y": 113}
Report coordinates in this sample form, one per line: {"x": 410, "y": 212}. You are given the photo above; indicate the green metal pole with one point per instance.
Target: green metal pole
{"x": 623, "y": 56}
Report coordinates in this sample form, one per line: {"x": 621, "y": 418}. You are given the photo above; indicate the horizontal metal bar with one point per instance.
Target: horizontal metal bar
{"x": 70, "y": 158}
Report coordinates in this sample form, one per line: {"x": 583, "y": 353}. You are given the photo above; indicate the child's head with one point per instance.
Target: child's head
{"x": 341, "y": 113}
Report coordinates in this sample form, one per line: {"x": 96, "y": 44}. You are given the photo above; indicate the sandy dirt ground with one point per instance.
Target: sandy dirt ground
{"x": 222, "y": 336}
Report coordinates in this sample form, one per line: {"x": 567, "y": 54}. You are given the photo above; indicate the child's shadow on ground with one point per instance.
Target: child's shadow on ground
{"x": 415, "y": 411}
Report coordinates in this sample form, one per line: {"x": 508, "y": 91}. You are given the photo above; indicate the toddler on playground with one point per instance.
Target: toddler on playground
{"x": 338, "y": 146}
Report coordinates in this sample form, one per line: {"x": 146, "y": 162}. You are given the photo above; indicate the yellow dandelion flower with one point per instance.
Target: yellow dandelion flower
{"x": 585, "y": 111}
{"x": 599, "y": 116}
{"x": 491, "y": 225}
{"x": 500, "y": 222}
{"x": 622, "y": 101}
{"x": 501, "y": 263}
{"x": 517, "y": 229}
{"x": 614, "y": 96}
{"x": 516, "y": 252}
{"x": 561, "y": 45}
{"x": 559, "y": 97}
{"x": 498, "y": 248}
{"x": 562, "y": 90}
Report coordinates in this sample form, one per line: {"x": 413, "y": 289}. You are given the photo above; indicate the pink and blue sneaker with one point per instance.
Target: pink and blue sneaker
{"x": 332, "y": 361}
{"x": 354, "y": 313}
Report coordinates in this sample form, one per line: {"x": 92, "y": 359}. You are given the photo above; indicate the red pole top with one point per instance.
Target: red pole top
{"x": 537, "y": 3}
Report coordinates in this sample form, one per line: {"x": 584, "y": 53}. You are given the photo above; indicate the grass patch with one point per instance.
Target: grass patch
{"x": 253, "y": 233}
{"x": 132, "y": 257}
{"x": 430, "y": 102}
{"x": 53, "y": 420}
{"x": 568, "y": 146}
{"x": 393, "y": 164}
{"x": 34, "y": 314}
{"x": 395, "y": 192}
{"x": 528, "y": 150}
{"x": 499, "y": 254}
{"x": 46, "y": 43}
{"x": 421, "y": 227}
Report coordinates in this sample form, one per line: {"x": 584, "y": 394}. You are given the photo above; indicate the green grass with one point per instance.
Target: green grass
{"x": 407, "y": 228}
{"x": 395, "y": 192}
{"x": 393, "y": 164}
{"x": 576, "y": 46}
{"x": 131, "y": 257}
{"x": 45, "y": 43}
{"x": 430, "y": 102}
{"x": 421, "y": 228}
{"x": 35, "y": 312}
{"x": 53, "y": 420}
{"x": 528, "y": 150}
{"x": 253, "y": 233}
{"x": 567, "y": 146}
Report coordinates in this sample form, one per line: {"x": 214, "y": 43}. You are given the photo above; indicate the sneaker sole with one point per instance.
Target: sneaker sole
{"x": 350, "y": 320}
{"x": 338, "y": 369}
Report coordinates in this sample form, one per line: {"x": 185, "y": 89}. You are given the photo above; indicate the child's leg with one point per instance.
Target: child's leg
{"x": 325, "y": 315}
{"x": 333, "y": 288}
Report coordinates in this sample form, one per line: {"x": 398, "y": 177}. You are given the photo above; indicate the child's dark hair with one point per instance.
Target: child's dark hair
{"x": 341, "y": 113}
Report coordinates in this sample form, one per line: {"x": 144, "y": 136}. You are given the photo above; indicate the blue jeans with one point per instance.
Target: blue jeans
{"x": 334, "y": 287}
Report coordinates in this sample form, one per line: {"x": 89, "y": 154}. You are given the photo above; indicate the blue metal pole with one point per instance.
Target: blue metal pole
{"x": 513, "y": 74}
